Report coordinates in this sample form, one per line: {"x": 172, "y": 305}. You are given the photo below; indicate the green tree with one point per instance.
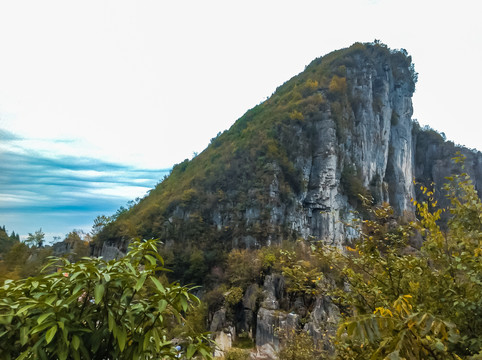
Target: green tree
{"x": 99, "y": 224}
{"x": 36, "y": 239}
{"x": 409, "y": 304}
{"x": 6, "y": 242}
{"x": 93, "y": 309}
{"x": 79, "y": 247}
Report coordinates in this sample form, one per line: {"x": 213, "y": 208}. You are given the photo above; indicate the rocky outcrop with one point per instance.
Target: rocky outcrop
{"x": 110, "y": 251}
{"x": 275, "y": 319}
{"x": 323, "y": 322}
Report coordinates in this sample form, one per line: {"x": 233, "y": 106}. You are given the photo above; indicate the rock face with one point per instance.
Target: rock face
{"x": 433, "y": 161}
{"x": 375, "y": 147}
{"x": 294, "y": 165}
{"x": 276, "y": 319}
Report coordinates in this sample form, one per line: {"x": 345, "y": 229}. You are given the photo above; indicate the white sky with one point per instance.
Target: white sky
{"x": 150, "y": 82}
{"x": 147, "y": 83}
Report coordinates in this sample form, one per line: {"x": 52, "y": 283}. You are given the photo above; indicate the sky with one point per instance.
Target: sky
{"x": 99, "y": 99}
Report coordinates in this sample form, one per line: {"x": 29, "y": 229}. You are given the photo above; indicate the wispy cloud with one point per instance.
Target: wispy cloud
{"x": 62, "y": 187}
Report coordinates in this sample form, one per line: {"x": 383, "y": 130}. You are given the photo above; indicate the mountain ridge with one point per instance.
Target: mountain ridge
{"x": 293, "y": 165}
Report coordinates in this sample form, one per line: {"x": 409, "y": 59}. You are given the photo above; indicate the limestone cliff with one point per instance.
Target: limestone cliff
{"x": 294, "y": 165}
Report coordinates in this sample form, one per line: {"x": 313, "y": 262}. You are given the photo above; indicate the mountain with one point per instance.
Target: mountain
{"x": 293, "y": 166}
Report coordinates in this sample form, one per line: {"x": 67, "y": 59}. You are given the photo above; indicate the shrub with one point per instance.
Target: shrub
{"x": 237, "y": 354}
{"x": 309, "y": 87}
{"x": 337, "y": 85}
{"x": 296, "y": 115}
{"x": 298, "y": 346}
{"x": 94, "y": 309}
{"x": 234, "y": 296}
{"x": 243, "y": 267}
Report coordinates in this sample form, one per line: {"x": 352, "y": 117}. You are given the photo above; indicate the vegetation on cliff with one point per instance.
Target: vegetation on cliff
{"x": 238, "y": 169}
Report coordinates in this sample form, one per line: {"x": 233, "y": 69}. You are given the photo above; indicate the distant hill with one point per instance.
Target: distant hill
{"x": 7, "y": 241}
{"x": 293, "y": 165}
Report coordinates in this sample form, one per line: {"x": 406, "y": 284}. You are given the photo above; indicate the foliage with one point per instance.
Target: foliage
{"x": 412, "y": 304}
{"x": 22, "y": 261}
{"x": 99, "y": 223}
{"x": 237, "y": 354}
{"x": 337, "y": 85}
{"x": 79, "y": 247}
{"x": 6, "y": 241}
{"x": 234, "y": 296}
{"x": 296, "y": 115}
{"x": 309, "y": 87}
{"x": 93, "y": 309}
{"x": 243, "y": 267}
{"x": 301, "y": 273}
{"x": 36, "y": 239}
{"x": 298, "y": 346}
{"x": 244, "y": 341}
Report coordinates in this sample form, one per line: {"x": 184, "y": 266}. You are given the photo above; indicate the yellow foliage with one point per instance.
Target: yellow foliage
{"x": 337, "y": 84}
{"x": 296, "y": 115}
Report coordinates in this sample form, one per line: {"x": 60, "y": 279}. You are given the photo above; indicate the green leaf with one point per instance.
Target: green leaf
{"x": 76, "y": 355}
{"x": 131, "y": 268}
{"x": 162, "y": 305}
{"x": 394, "y": 355}
{"x": 50, "y": 334}
{"x": 145, "y": 343}
{"x": 158, "y": 285}
{"x": 39, "y": 328}
{"x": 51, "y": 299}
{"x": 191, "y": 349}
{"x": 121, "y": 339}
{"x": 63, "y": 353}
{"x": 75, "y": 342}
{"x": 98, "y": 293}
{"x": 439, "y": 346}
{"x": 205, "y": 353}
{"x": 184, "y": 303}
{"x": 42, "y": 317}
{"x": 24, "y": 355}
{"x": 140, "y": 282}
{"x": 25, "y": 308}
{"x": 24, "y": 335}
{"x": 110, "y": 321}
{"x": 151, "y": 259}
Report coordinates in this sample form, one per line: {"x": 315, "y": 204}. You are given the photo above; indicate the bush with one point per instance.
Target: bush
{"x": 95, "y": 309}
{"x": 234, "y": 296}
{"x": 237, "y": 354}
{"x": 243, "y": 267}
{"x": 298, "y": 346}
{"x": 337, "y": 85}
{"x": 296, "y": 115}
